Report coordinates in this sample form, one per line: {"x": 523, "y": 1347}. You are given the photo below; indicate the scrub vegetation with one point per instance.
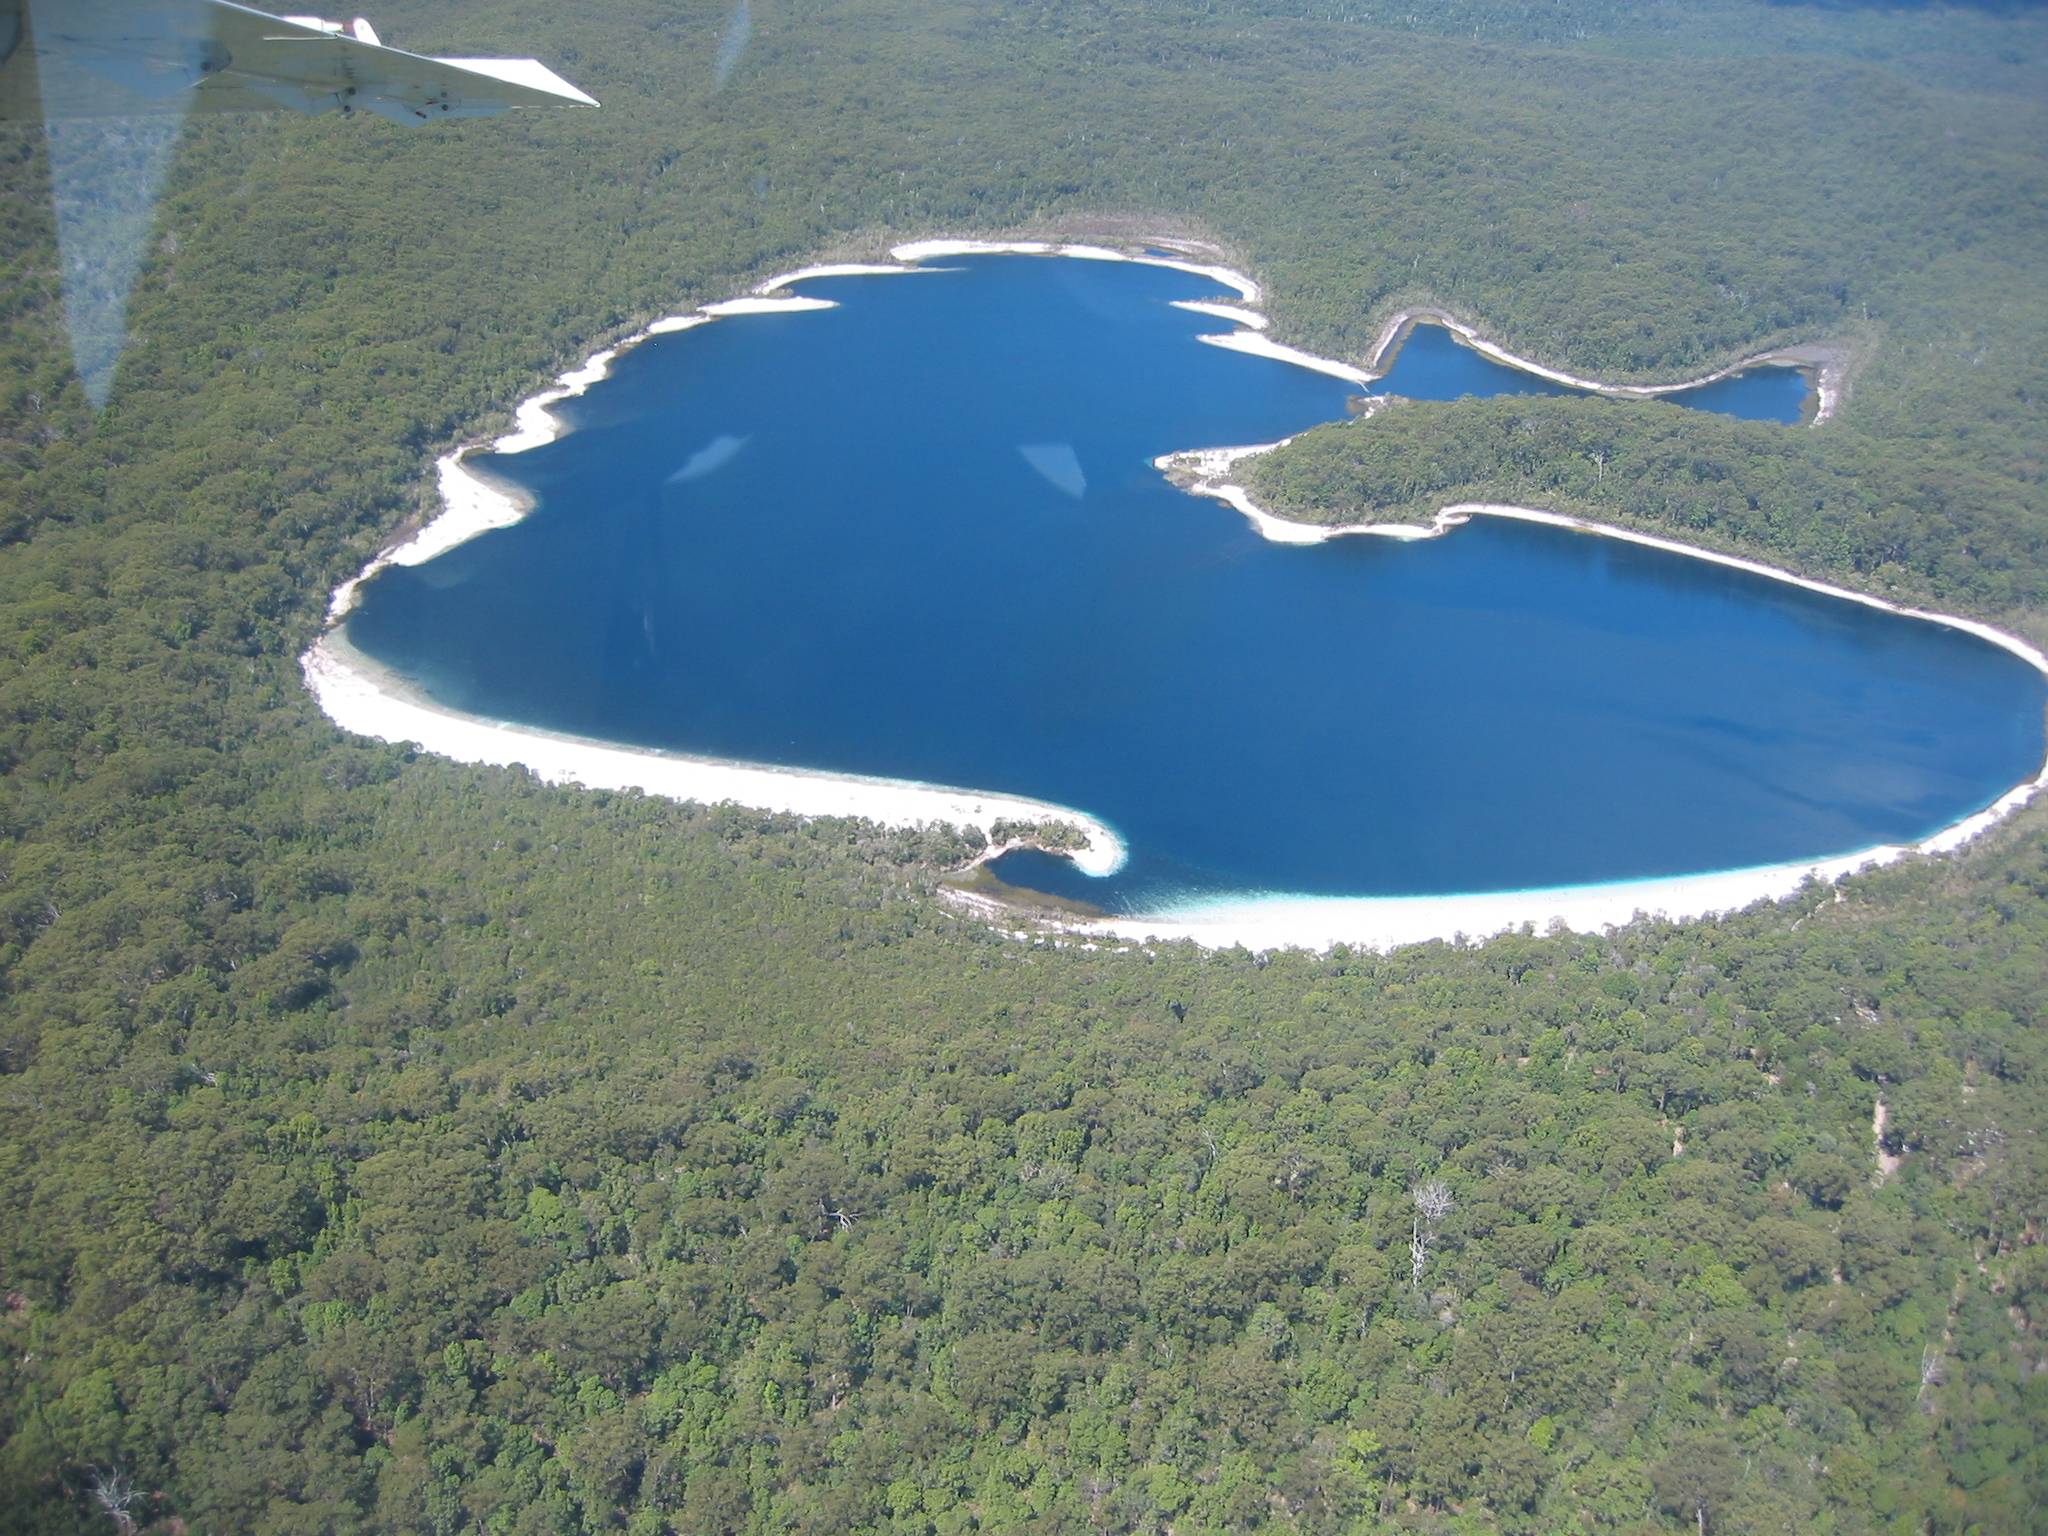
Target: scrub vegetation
{"x": 389, "y": 1144}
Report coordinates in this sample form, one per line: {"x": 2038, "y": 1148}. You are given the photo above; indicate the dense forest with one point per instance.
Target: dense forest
{"x": 1892, "y": 519}
{"x": 389, "y": 1144}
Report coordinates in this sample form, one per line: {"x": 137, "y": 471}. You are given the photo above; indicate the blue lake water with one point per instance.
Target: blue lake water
{"x": 920, "y": 536}
{"x": 1434, "y": 365}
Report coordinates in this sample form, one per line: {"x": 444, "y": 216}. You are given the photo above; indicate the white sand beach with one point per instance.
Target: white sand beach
{"x": 469, "y": 506}
{"x": 1382, "y": 923}
{"x": 1251, "y": 319}
{"x": 359, "y": 695}
{"x": 1208, "y": 469}
{"x": 759, "y": 305}
{"x": 1258, "y": 344}
{"x": 1229, "y": 277}
{"x": 1302, "y": 922}
{"x": 782, "y": 280}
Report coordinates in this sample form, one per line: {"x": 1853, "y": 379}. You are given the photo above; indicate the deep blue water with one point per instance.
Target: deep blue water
{"x": 920, "y": 536}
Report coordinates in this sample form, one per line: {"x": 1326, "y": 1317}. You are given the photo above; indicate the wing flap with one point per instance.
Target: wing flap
{"x": 529, "y": 74}
{"x": 100, "y": 58}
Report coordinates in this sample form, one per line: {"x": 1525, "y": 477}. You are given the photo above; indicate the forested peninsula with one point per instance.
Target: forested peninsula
{"x": 388, "y": 1144}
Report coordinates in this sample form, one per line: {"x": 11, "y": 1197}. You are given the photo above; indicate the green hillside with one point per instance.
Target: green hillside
{"x": 388, "y": 1144}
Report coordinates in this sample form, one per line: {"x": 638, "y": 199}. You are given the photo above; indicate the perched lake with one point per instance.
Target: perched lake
{"x": 920, "y": 536}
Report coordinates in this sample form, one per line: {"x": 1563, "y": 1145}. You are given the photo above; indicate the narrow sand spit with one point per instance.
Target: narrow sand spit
{"x": 361, "y": 696}
{"x": 358, "y": 695}
{"x": 1251, "y": 319}
{"x": 782, "y": 280}
{"x": 757, "y": 305}
{"x": 1260, "y": 345}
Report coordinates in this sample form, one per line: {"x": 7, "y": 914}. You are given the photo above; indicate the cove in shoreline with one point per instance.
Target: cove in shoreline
{"x": 1444, "y": 915}
{"x": 1281, "y": 920}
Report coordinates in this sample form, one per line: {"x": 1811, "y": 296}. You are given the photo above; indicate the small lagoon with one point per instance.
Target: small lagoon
{"x": 919, "y": 536}
{"x": 1432, "y": 364}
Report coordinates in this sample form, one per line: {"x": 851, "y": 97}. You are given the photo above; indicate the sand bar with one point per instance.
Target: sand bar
{"x": 782, "y": 280}
{"x": 759, "y": 305}
{"x": 1260, "y": 345}
{"x": 1251, "y": 319}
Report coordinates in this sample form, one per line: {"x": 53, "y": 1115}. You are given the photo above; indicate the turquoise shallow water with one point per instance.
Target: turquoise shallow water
{"x": 920, "y": 536}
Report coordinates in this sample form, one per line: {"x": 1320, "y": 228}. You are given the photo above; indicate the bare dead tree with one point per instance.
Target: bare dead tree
{"x": 113, "y": 1493}
{"x": 1933, "y": 1373}
{"x": 829, "y": 1214}
{"x": 1433, "y": 1200}
{"x": 1433, "y": 1203}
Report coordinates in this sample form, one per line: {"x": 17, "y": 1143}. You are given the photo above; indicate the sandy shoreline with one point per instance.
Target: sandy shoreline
{"x": 1387, "y": 922}
{"x": 1250, "y": 319}
{"x": 1289, "y": 921}
{"x": 1383, "y": 922}
{"x": 361, "y": 696}
{"x": 1258, "y": 344}
{"x": 1229, "y": 277}
{"x": 469, "y": 505}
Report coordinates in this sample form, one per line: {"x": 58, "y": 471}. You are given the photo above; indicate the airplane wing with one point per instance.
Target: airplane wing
{"x": 124, "y": 58}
